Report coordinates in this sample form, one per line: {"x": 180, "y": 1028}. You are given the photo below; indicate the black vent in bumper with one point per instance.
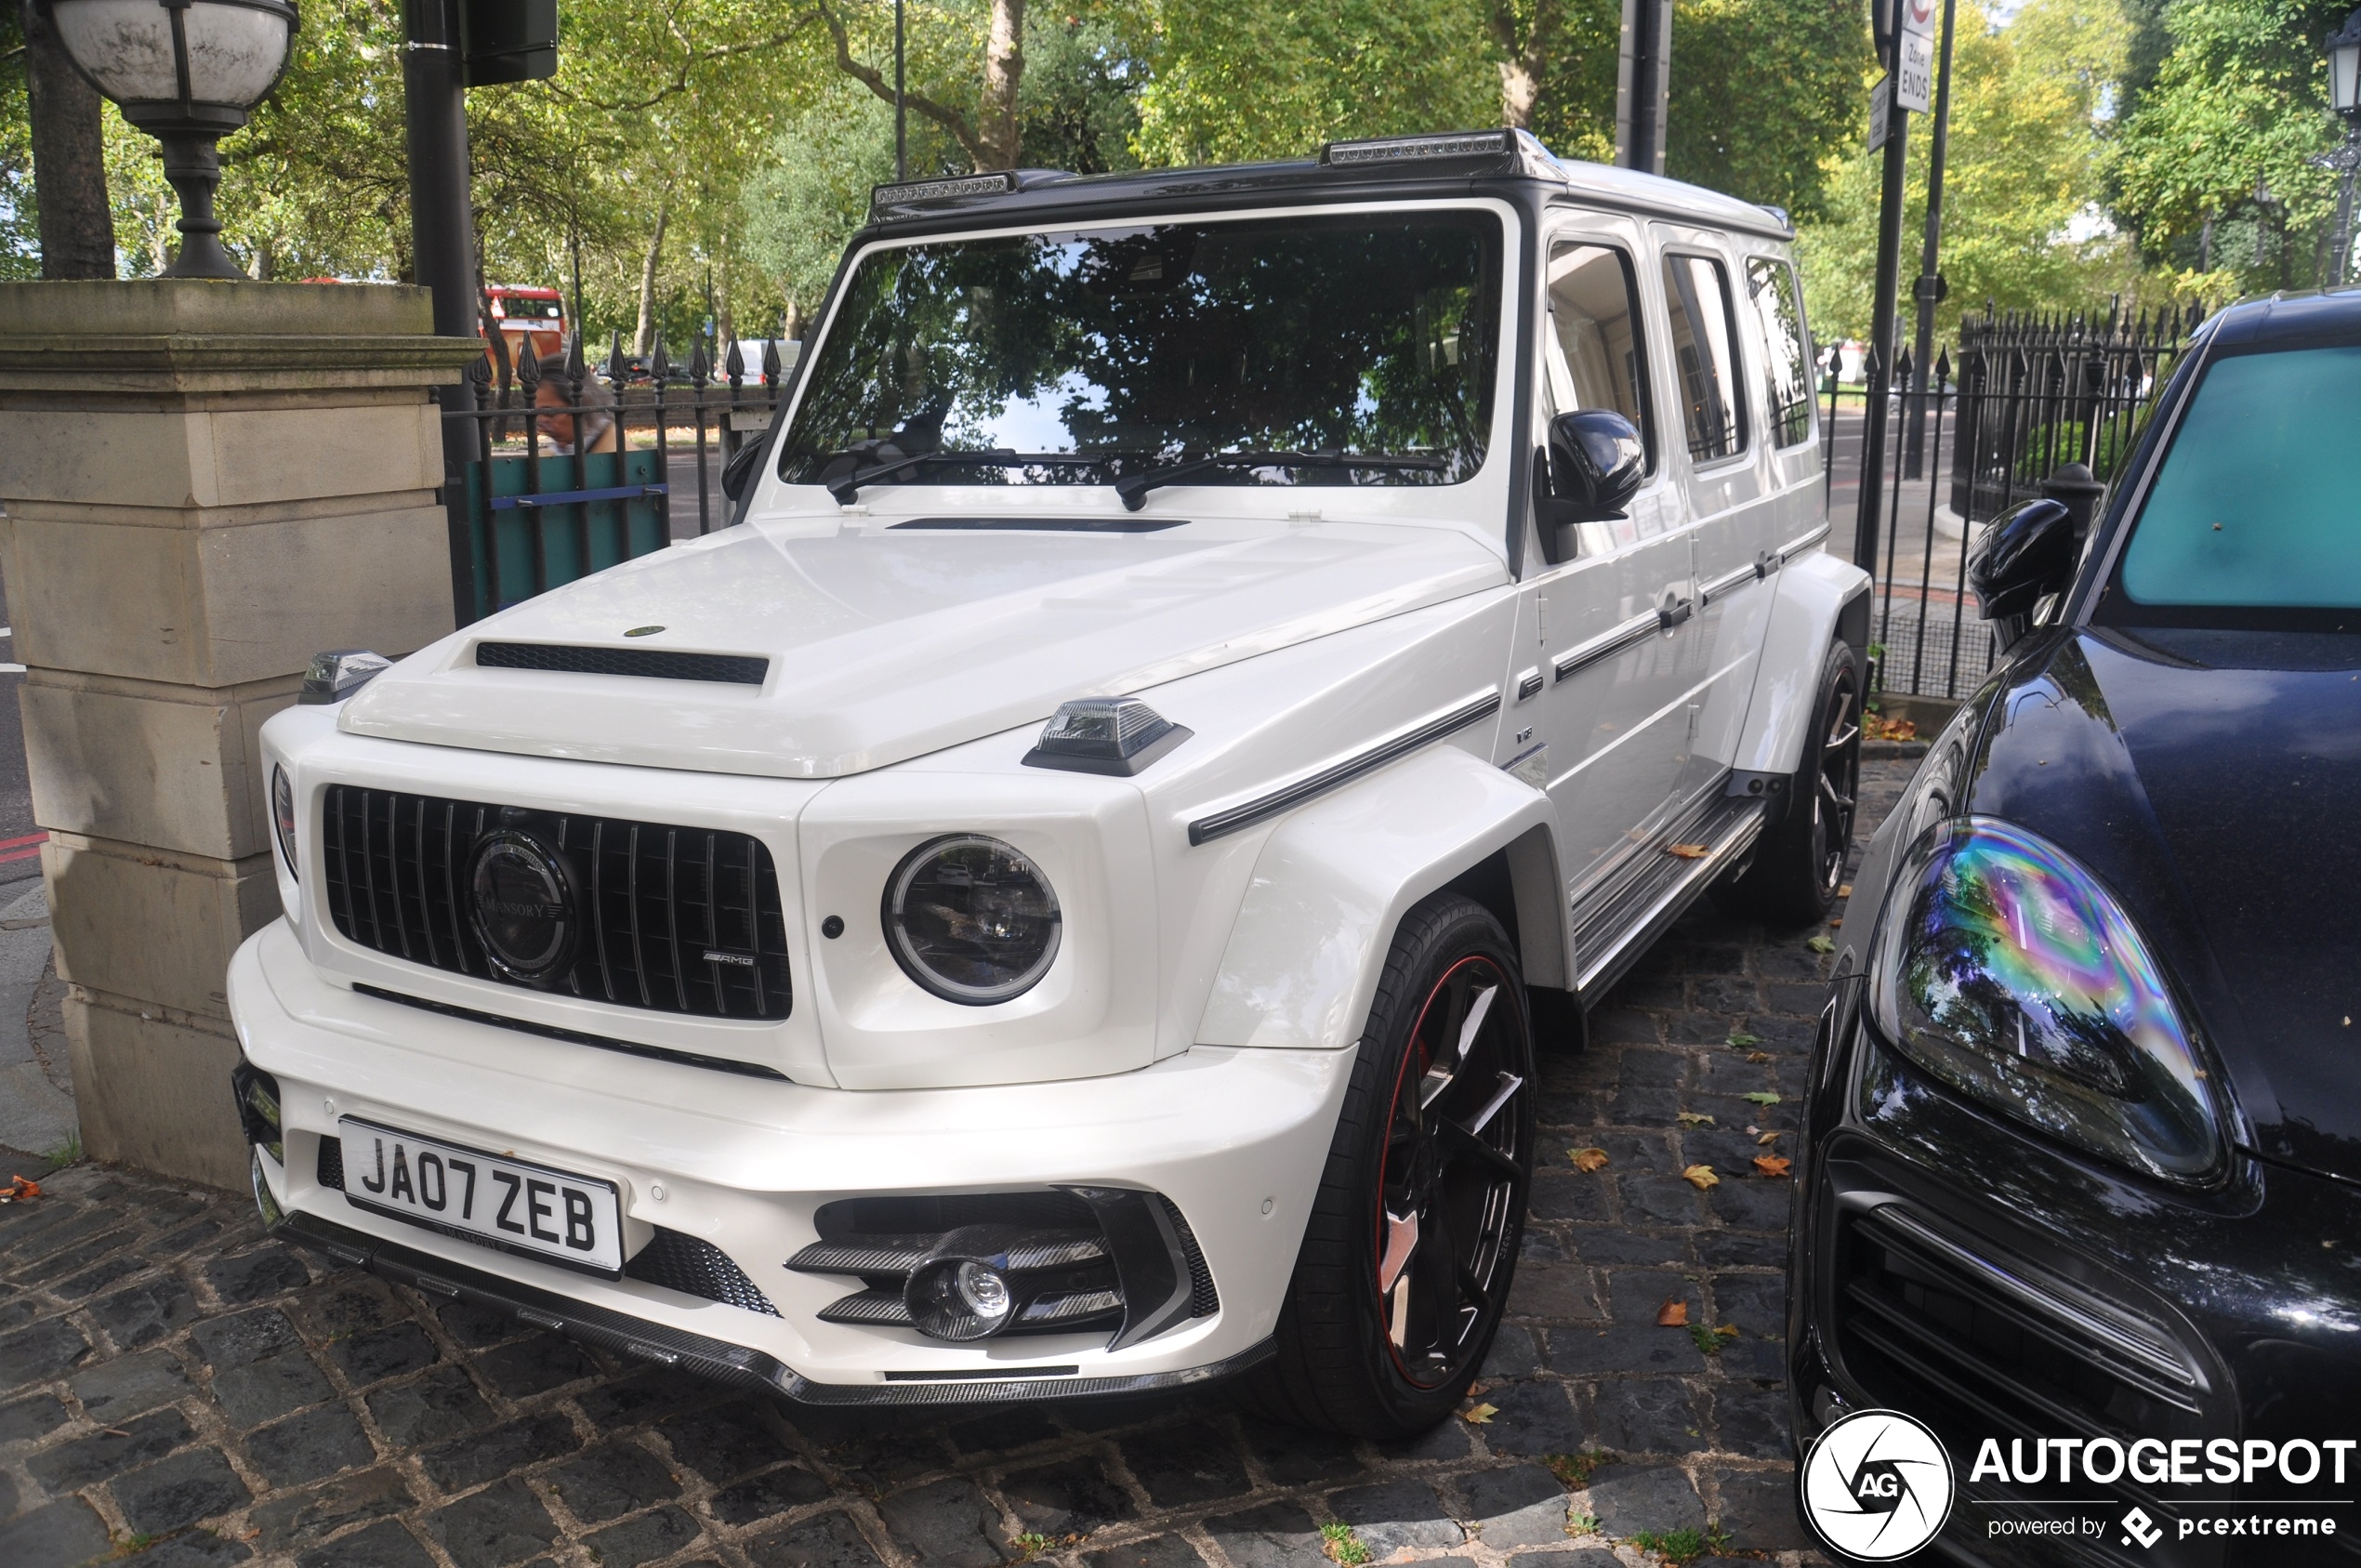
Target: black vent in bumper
{"x": 1929, "y": 1318}
{"x": 655, "y": 664}
{"x": 674, "y": 920}
{"x": 695, "y": 1267}
{"x": 331, "y": 1163}
{"x": 1077, "y": 1258}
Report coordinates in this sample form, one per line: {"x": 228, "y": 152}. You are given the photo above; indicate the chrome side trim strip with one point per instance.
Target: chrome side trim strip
{"x": 1287, "y": 797}
{"x": 1801, "y": 542}
{"x": 1729, "y": 582}
{"x": 718, "y": 1359}
{"x": 1613, "y": 640}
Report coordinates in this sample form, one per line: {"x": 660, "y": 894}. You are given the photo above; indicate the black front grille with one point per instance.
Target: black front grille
{"x": 653, "y": 663}
{"x": 1930, "y": 1320}
{"x": 696, "y": 1268}
{"x": 675, "y": 919}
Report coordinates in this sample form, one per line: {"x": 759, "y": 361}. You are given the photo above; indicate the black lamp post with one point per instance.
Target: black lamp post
{"x": 2344, "y": 96}
{"x": 186, "y": 72}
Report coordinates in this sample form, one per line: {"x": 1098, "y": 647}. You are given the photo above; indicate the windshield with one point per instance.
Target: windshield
{"x": 1109, "y": 352}
{"x": 2251, "y": 515}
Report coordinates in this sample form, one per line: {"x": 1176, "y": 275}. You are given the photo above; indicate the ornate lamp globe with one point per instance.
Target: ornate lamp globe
{"x": 186, "y": 72}
{"x": 2344, "y": 67}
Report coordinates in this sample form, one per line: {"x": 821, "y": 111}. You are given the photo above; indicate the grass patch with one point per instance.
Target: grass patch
{"x": 1033, "y": 1544}
{"x": 1711, "y": 1341}
{"x": 1574, "y": 1469}
{"x": 1582, "y": 1524}
{"x": 1343, "y": 1545}
{"x": 69, "y": 1153}
{"x": 1684, "y": 1545}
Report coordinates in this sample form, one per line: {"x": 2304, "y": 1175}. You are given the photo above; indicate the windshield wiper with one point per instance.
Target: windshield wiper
{"x": 1132, "y": 489}
{"x": 845, "y": 486}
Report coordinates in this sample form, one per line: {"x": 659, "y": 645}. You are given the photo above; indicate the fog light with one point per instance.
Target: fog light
{"x": 257, "y": 1096}
{"x": 959, "y": 1299}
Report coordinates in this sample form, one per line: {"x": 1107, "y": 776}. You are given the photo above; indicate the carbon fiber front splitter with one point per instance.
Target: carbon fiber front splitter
{"x": 715, "y": 1359}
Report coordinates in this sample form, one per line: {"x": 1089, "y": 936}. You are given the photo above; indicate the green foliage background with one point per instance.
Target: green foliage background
{"x": 2154, "y": 149}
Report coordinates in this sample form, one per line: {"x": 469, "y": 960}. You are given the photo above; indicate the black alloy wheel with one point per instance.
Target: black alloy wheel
{"x": 1798, "y": 866}
{"x": 1412, "y": 1242}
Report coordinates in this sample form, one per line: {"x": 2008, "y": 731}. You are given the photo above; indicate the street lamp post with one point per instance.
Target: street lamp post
{"x": 2344, "y": 96}
{"x": 186, "y": 72}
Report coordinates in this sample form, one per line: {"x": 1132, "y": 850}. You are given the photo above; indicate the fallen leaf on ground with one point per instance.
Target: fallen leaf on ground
{"x": 1674, "y": 1313}
{"x": 1482, "y": 1415}
{"x": 1768, "y": 1138}
{"x": 1741, "y": 1039}
{"x": 1693, "y": 1119}
{"x": 1758, "y": 1057}
{"x": 1688, "y": 851}
{"x": 1845, "y": 892}
{"x": 1821, "y": 944}
{"x": 1762, "y": 1097}
{"x": 1772, "y": 1164}
{"x": 1837, "y": 922}
{"x": 1701, "y": 1177}
{"x": 1587, "y": 1160}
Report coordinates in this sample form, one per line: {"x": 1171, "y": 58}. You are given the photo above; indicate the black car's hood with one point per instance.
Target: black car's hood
{"x": 2213, "y": 780}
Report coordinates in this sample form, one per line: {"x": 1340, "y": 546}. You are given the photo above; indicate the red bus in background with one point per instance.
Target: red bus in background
{"x": 532, "y": 320}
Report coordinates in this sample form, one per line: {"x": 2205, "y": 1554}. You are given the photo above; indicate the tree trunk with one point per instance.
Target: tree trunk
{"x": 725, "y": 325}
{"x": 1527, "y": 58}
{"x": 68, "y": 159}
{"x": 791, "y": 323}
{"x": 1002, "y": 69}
{"x": 648, "y": 281}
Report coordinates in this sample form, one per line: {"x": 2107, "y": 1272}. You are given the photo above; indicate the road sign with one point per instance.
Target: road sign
{"x": 1914, "y": 71}
{"x": 1881, "y": 120}
{"x": 1917, "y": 16}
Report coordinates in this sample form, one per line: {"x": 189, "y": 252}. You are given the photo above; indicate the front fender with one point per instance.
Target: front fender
{"x": 1335, "y": 877}
{"x": 1819, "y": 600}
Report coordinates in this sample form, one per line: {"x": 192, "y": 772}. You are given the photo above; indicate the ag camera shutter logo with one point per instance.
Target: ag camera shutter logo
{"x": 1877, "y": 1486}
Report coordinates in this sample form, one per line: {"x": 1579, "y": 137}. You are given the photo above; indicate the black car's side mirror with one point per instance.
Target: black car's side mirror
{"x": 1596, "y": 463}
{"x": 739, "y": 469}
{"x": 2022, "y": 557}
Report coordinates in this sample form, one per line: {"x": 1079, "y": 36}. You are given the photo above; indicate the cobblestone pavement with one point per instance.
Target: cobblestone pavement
{"x": 174, "y": 1385}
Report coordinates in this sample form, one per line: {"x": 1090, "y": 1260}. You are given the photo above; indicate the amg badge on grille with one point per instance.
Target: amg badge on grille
{"x": 523, "y": 907}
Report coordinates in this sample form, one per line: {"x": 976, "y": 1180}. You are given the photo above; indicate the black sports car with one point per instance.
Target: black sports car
{"x": 2082, "y": 1171}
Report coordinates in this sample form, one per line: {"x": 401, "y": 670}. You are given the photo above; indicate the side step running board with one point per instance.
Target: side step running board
{"x": 1625, "y": 920}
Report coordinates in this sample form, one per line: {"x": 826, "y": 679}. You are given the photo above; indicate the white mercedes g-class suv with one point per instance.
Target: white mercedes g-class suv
{"x": 1057, "y": 897}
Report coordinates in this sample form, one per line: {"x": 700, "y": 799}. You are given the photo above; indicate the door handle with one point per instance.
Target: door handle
{"x": 1673, "y": 610}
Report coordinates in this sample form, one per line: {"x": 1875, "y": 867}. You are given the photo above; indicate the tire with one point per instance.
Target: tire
{"x": 1799, "y": 865}
{"x": 1389, "y": 1362}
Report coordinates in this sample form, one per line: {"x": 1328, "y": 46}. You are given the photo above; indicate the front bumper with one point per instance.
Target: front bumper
{"x": 1950, "y": 1266}
{"x": 1235, "y": 1139}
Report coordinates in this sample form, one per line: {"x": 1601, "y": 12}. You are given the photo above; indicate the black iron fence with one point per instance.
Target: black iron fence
{"x": 529, "y": 511}
{"x": 2027, "y": 396}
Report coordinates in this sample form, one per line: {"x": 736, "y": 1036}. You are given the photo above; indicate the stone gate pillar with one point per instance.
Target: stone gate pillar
{"x": 204, "y": 483}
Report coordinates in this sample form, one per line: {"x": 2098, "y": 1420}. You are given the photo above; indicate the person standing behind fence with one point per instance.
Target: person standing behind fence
{"x": 593, "y": 415}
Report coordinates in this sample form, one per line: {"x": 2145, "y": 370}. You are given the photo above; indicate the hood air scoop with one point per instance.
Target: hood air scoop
{"x": 655, "y": 664}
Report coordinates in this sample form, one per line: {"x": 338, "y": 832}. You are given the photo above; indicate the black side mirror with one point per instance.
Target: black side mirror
{"x": 1596, "y": 463}
{"x": 2024, "y": 555}
{"x": 739, "y": 470}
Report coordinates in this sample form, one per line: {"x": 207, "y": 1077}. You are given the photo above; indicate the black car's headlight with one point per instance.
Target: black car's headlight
{"x": 2002, "y": 967}
{"x": 972, "y": 919}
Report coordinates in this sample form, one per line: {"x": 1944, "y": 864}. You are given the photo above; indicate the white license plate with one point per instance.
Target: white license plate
{"x": 513, "y": 1205}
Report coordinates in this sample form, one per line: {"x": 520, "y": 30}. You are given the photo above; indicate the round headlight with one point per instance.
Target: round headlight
{"x": 283, "y": 813}
{"x": 972, "y": 919}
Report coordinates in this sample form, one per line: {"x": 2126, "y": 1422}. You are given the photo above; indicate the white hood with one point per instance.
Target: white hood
{"x": 887, "y": 643}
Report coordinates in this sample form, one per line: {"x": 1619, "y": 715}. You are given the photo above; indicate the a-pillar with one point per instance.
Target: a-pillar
{"x": 205, "y": 482}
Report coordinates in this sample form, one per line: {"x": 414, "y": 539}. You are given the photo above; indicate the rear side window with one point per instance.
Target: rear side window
{"x": 1594, "y": 315}
{"x": 1786, "y": 383}
{"x": 1705, "y": 356}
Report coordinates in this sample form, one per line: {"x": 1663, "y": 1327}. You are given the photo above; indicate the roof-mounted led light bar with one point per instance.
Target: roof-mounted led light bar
{"x": 1405, "y": 149}
{"x": 998, "y": 183}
